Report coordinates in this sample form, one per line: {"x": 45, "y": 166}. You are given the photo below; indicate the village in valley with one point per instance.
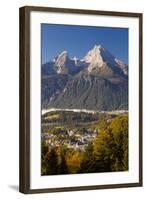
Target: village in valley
{"x": 72, "y": 129}
{"x": 76, "y": 138}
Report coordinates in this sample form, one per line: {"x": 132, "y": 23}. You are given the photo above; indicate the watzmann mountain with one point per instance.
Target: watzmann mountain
{"x": 99, "y": 81}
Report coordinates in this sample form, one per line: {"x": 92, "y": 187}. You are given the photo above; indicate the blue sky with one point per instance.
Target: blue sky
{"x": 78, "y": 40}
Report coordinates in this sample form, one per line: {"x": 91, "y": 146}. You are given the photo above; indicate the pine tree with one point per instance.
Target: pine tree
{"x": 63, "y": 168}
{"x": 51, "y": 162}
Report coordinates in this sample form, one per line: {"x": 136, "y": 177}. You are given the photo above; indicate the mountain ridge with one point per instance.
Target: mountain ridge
{"x": 98, "y": 81}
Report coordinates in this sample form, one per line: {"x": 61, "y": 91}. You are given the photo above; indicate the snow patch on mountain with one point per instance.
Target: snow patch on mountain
{"x": 94, "y": 58}
{"x": 61, "y": 57}
{"x": 122, "y": 65}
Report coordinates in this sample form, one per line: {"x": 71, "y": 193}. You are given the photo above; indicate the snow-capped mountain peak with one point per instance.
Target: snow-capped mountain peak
{"x": 94, "y": 57}
{"x": 61, "y": 58}
{"x": 97, "y": 59}
{"x": 61, "y": 61}
{"x": 97, "y": 47}
{"x": 63, "y": 53}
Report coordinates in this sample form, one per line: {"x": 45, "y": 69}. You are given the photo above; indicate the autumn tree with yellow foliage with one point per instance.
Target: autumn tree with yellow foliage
{"x": 109, "y": 150}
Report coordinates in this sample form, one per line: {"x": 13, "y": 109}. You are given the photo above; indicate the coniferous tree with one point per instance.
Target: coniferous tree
{"x": 88, "y": 164}
{"x": 62, "y": 168}
{"x": 51, "y": 162}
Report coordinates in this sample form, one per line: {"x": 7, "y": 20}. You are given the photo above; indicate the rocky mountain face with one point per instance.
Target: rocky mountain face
{"x": 99, "y": 81}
